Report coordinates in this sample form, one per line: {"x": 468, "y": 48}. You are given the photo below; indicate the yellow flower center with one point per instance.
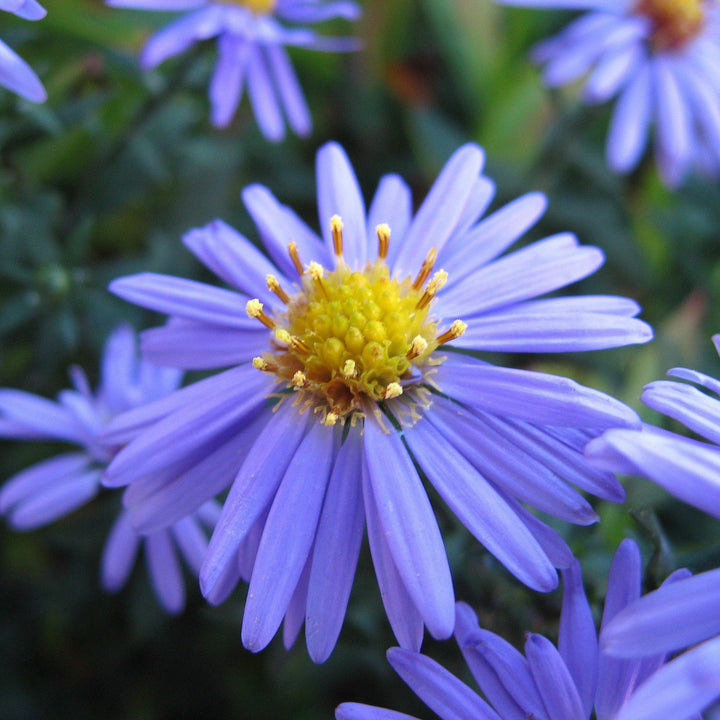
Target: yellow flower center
{"x": 259, "y": 7}
{"x": 350, "y": 338}
{"x": 675, "y": 22}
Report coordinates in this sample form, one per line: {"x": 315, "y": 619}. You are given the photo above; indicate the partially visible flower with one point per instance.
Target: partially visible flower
{"x": 53, "y": 488}
{"x": 333, "y": 395}
{"x": 251, "y": 41}
{"x": 15, "y": 73}
{"x": 567, "y": 682}
{"x": 662, "y": 59}
{"x": 687, "y": 468}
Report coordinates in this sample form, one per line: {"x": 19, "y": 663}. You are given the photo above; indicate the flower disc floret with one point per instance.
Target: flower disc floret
{"x": 260, "y": 7}
{"x": 350, "y": 337}
{"x": 675, "y": 22}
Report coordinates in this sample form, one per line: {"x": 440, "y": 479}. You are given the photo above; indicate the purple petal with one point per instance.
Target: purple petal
{"x": 288, "y": 536}
{"x": 295, "y": 614}
{"x": 165, "y": 572}
{"x": 226, "y": 85}
{"x": 410, "y": 528}
{"x": 18, "y": 76}
{"x": 191, "y": 541}
{"x": 263, "y": 97}
{"x": 30, "y": 417}
{"x": 337, "y": 547}
{"x": 119, "y": 554}
{"x": 356, "y": 711}
{"x": 291, "y": 94}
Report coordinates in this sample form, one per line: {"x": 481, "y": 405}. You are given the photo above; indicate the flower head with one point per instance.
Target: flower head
{"x": 15, "y": 73}
{"x": 251, "y": 41}
{"x": 564, "y": 682}
{"x": 53, "y": 488}
{"x": 659, "y": 58}
{"x": 340, "y": 348}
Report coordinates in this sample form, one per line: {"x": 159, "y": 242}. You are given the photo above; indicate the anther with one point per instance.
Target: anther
{"x": 298, "y": 345}
{"x": 336, "y": 225}
{"x": 383, "y": 235}
{"x": 293, "y": 252}
{"x": 417, "y": 347}
{"x": 254, "y": 309}
{"x": 349, "y": 370}
{"x": 264, "y": 365}
{"x": 316, "y": 271}
{"x": 457, "y": 329}
{"x": 331, "y": 418}
{"x": 437, "y": 281}
{"x": 299, "y": 379}
{"x": 274, "y": 286}
{"x": 425, "y": 269}
{"x": 283, "y": 336}
{"x": 393, "y": 390}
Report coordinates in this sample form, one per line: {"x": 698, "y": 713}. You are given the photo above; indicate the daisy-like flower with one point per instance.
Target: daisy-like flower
{"x": 563, "y": 683}
{"x": 688, "y": 612}
{"x": 53, "y": 488}
{"x": 251, "y": 41}
{"x": 342, "y": 383}
{"x": 662, "y": 59}
{"x": 15, "y": 73}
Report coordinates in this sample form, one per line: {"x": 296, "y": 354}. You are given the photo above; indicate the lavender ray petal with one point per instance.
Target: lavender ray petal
{"x": 165, "y": 573}
{"x": 30, "y": 417}
{"x": 291, "y": 94}
{"x": 263, "y": 97}
{"x": 295, "y": 614}
{"x": 119, "y": 554}
{"x": 191, "y": 541}
{"x": 357, "y": 711}
{"x": 228, "y": 78}
{"x": 18, "y": 76}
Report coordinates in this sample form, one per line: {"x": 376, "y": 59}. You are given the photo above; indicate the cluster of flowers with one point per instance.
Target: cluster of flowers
{"x": 349, "y": 373}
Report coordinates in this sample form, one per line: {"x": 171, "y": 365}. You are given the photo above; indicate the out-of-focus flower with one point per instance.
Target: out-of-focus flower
{"x": 15, "y": 73}
{"x": 53, "y": 488}
{"x": 251, "y": 41}
{"x": 339, "y": 349}
{"x": 567, "y": 682}
{"x": 662, "y": 59}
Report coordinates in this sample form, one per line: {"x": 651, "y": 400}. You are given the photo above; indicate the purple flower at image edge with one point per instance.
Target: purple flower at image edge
{"x": 568, "y": 681}
{"x": 15, "y": 73}
{"x": 251, "y": 42}
{"x": 687, "y": 612}
{"x": 53, "y": 488}
{"x": 661, "y": 58}
{"x": 338, "y": 346}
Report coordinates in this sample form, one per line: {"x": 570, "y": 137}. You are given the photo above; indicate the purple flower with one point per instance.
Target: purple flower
{"x": 15, "y": 73}
{"x": 687, "y": 468}
{"x": 340, "y": 348}
{"x": 53, "y": 488}
{"x": 662, "y": 59}
{"x": 251, "y": 49}
{"x": 567, "y": 682}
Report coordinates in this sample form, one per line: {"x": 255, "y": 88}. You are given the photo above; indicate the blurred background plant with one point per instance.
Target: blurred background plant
{"x": 103, "y": 179}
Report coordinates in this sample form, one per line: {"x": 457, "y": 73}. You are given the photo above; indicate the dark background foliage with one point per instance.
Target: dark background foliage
{"x": 102, "y": 181}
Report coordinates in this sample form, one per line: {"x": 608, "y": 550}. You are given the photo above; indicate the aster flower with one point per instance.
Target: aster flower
{"x": 251, "y": 41}
{"x": 53, "y": 488}
{"x": 333, "y": 396}
{"x": 661, "y": 58}
{"x": 564, "y": 682}
{"x": 15, "y": 73}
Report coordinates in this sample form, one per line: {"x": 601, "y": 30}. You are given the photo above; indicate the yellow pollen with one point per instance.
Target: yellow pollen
{"x": 259, "y": 363}
{"x": 457, "y": 329}
{"x": 293, "y": 253}
{"x": 349, "y": 337}
{"x": 336, "y": 225}
{"x": 417, "y": 347}
{"x": 260, "y": 7}
{"x": 383, "y": 235}
{"x": 274, "y": 286}
{"x": 393, "y": 390}
{"x": 254, "y": 309}
{"x": 675, "y": 22}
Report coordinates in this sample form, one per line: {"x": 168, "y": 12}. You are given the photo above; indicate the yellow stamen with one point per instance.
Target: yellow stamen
{"x": 438, "y": 280}
{"x": 393, "y": 390}
{"x": 299, "y": 379}
{"x": 349, "y": 369}
{"x": 316, "y": 271}
{"x": 254, "y": 309}
{"x": 457, "y": 329}
{"x": 283, "y": 336}
{"x": 274, "y": 286}
{"x": 293, "y": 252}
{"x": 336, "y": 225}
{"x": 264, "y": 365}
{"x": 331, "y": 418}
{"x": 383, "y": 235}
{"x": 298, "y": 345}
{"x": 425, "y": 269}
{"x": 417, "y": 347}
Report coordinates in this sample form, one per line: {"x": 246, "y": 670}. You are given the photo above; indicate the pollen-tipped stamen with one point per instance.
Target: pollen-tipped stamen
{"x": 336, "y": 226}
{"x": 295, "y": 257}
{"x": 349, "y": 369}
{"x": 437, "y": 281}
{"x": 254, "y": 309}
{"x": 383, "y": 236}
{"x": 418, "y": 346}
{"x": 263, "y": 365}
{"x": 299, "y": 380}
{"x": 275, "y": 287}
{"x": 316, "y": 271}
{"x": 425, "y": 269}
{"x": 457, "y": 329}
{"x": 298, "y": 345}
{"x": 393, "y": 390}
